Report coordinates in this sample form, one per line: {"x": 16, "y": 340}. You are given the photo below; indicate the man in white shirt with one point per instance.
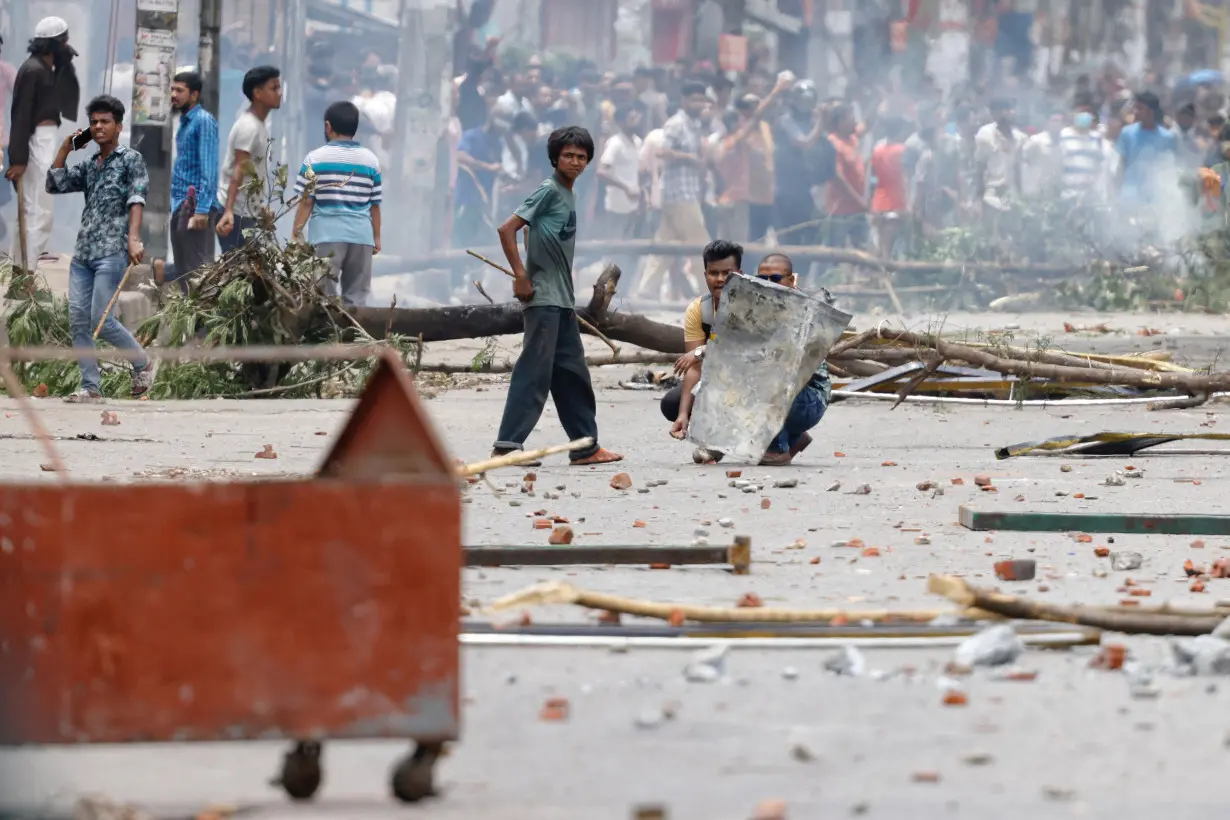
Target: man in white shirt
{"x": 620, "y": 169}
{"x": 1042, "y": 160}
{"x": 243, "y": 185}
{"x": 997, "y": 154}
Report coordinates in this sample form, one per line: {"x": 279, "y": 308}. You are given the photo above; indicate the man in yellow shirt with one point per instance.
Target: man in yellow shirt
{"x": 722, "y": 259}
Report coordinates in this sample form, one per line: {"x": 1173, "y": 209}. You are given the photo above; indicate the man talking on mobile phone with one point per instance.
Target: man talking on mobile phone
{"x": 115, "y": 183}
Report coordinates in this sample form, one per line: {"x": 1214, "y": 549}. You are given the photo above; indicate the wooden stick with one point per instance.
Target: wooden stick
{"x": 114, "y": 298}
{"x": 524, "y": 457}
{"x": 614, "y": 348}
{"x": 21, "y": 226}
{"x": 1121, "y": 619}
{"x": 559, "y": 592}
{"x": 18, "y": 393}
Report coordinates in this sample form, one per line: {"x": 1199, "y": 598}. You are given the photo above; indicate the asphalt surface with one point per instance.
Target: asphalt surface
{"x": 1072, "y": 742}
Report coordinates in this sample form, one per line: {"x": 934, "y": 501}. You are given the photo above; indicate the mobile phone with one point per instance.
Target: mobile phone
{"x": 82, "y": 140}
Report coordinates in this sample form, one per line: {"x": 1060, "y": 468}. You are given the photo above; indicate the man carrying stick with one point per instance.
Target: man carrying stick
{"x": 115, "y": 183}
{"x": 552, "y": 358}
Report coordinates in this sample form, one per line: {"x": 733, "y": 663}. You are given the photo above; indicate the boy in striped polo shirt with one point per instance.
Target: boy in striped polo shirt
{"x": 344, "y": 206}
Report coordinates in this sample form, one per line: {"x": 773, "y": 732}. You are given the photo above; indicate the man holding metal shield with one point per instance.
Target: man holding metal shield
{"x": 722, "y": 259}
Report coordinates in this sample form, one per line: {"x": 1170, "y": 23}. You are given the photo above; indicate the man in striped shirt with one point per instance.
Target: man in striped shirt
{"x": 340, "y": 188}
{"x": 1087, "y": 158}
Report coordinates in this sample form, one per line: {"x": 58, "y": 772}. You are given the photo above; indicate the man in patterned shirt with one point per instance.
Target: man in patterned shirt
{"x": 115, "y": 183}
{"x": 683, "y": 184}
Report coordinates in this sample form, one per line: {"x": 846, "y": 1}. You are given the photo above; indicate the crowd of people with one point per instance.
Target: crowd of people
{"x": 686, "y": 154}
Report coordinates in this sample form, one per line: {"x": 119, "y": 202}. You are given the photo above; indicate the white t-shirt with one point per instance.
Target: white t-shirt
{"x": 248, "y": 134}
{"x": 622, "y": 159}
{"x": 651, "y": 164}
{"x": 1001, "y": 155}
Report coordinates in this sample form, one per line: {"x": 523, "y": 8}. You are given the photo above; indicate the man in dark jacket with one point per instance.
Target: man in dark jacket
{"x": 45, "y": 93}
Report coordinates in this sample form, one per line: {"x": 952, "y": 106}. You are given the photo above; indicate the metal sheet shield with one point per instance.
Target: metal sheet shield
{"x": 768, "y": 341}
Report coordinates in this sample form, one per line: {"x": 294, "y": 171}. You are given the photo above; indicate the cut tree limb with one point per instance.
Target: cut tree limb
{"x": 1191, "y": 383}
{"x": 1121, "y": 619}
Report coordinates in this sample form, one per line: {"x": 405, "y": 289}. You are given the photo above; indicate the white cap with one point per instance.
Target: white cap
{"x": 50, "y": 27}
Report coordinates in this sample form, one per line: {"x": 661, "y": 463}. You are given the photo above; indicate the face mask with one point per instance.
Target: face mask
{"x": 1084, "y": 120}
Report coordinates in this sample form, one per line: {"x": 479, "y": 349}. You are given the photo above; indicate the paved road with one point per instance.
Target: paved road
{"x": 1071, "y": 743}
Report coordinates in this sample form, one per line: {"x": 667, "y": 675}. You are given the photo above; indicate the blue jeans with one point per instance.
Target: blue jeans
{"x": 91, "y": 284}
{"x": 805, "y": 413}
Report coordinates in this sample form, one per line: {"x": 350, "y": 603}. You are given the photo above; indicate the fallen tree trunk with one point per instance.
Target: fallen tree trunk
{"x": 479, "y": 321}
{"x": 799, "y": 254}
{"x": 591, "y": 361}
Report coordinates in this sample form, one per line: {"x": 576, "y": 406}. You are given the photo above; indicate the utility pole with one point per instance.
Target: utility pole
{"x": 425, "y": 55}
{"x": 153, "y": 70}
{"x": 210, "y": 50}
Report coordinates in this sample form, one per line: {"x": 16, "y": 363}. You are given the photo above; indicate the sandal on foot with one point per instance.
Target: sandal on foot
{"x": 498, "y": 453}
{"x": 600, "y": 457}
{"x": 84, "y": 396}
{"x": 142, "y": 381}
{"x": 703, "y": 455}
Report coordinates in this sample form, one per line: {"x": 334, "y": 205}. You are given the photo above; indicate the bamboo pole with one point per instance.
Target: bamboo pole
{"x": 523, "y": 457}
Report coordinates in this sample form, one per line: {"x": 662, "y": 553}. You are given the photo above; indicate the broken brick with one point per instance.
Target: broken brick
{"x": 734, "y": 473}
{"x": 1111, "y": 657}
{"x": 110, "y": 419}
{"x": 925, "y": 777}
{"x": 1198, "y": 586}
{"x": 639, "y": 524}
{"x": 39, "y": 392}
{"x": 659, "y": 565}
{"x": 621, "y": 481}
{"x": 530, "y": 478}
{"x": 1220, "y": 568}
{"x": 765, "y": 503}
{"x": 839, "y": 454}
{"x": 561, "y": 536}
{"x": 1197, "y": 544}
{"x": 543, "y": 524}
{"x": 982, "y": 481}
{"x": 957, "y": 482}
{"x": 955, "y": 697}
{"x": 770, "y": 810}
{"x": 871, "y": 552}
{"x": 1019, "y": 570}
{"x": 1078, "y": 495}
{"x": 675, "y": 618}
{"x": 1020, "y": 676}
{"x": 749, "y": 600}
{"x": 1084, "y": 539}
{"x": 268, "y": 452}
{"x": 925, "y": 485}
{"x": 1191, "y": 569}
{"x": 815, "y": 560}
{"x": 1101, "y": 552}
{"x": 609, "y": 618}
{"x": 888, "y": 464}
{"x": 990, "y": 488}
{"x": 555, "y": 709}
{"x": 1138, "y": 592}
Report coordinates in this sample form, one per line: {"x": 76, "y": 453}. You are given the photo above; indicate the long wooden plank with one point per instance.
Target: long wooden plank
{"x": 538, "y": 555}
{"x": 1160, "y": 524}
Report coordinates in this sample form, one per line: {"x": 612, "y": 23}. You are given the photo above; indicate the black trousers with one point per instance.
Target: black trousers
{"x": 552, "y": 361}
{"x": 192, "y": 249}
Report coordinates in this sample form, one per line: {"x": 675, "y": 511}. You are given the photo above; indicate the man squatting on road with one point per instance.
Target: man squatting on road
{"x": 115, "y": 183}
{"x": 552, "y": 358}
{"x": 722, "y": 259}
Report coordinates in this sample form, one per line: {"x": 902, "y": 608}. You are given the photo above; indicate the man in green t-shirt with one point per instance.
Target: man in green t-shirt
{"x": 552, "y": 359}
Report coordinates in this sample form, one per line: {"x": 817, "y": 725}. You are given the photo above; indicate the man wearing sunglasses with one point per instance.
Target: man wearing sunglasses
{"x": 721, "y": 260}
